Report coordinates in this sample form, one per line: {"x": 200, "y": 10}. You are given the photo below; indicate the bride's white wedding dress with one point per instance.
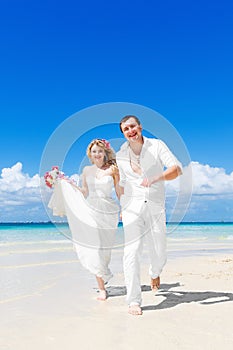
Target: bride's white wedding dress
{"x": 92, "y": 221}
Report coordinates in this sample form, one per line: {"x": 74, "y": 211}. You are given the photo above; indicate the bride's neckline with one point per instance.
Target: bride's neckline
{"x": 98, "y": 178}
{"x": 99, "y": 173}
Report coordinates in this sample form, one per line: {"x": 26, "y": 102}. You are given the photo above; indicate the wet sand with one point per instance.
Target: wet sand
{"x": 48, "y": 301}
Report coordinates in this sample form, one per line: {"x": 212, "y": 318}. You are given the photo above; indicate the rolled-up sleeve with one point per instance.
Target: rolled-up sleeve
{"x": 166, "y": 156}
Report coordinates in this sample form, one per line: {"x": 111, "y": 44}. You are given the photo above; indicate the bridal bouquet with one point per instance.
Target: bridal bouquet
{"x": 53, "y": 175}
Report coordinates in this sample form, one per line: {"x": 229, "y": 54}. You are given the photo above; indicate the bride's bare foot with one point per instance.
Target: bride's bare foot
{"x": 102, "y": 295}
{"x": 102, "y": 291}
{"x": 135, "y": 310}
{"x": 155, "y": 284}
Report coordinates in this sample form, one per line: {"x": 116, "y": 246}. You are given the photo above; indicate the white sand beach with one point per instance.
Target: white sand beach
{"x": 48, "y": 301}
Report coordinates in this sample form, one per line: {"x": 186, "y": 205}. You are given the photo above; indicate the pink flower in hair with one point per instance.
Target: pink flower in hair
{"x": 106, "y": 143}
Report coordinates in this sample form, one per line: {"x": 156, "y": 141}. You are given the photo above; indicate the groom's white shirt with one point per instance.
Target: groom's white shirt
{"x": 154, "y": 157}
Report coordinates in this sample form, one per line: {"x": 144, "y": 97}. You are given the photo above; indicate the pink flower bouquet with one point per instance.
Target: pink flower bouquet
{"x": 52, "y": 176}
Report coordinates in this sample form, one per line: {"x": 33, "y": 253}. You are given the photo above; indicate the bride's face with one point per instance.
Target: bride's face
{"x": 97, "y": 155}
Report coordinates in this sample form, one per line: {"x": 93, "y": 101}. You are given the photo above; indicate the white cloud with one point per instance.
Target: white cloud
{"x": 206, "y": 180}
{"x": 18, "y": 194}
{"x": 13, "y": 179}
{"x": 18, "y": 188}
{"x": 212, "y": 193}
{"x": 211, "y": 181}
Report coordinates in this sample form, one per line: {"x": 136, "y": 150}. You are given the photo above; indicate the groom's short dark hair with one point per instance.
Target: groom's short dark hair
{"x": 125, "y": 118}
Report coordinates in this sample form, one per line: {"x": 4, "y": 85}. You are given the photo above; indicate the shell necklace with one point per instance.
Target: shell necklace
{"x": 135, "y": 162}
{"x": 133, "y": 157}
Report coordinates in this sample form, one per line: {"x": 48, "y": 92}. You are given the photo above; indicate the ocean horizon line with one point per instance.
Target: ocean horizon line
{"x": 119, "y": 224}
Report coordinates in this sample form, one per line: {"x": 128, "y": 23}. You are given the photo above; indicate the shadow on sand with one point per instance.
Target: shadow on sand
{"x": 174, "y": 298}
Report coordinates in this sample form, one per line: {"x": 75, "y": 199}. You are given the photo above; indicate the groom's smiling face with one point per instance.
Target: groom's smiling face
{"x": 131, "y": 130}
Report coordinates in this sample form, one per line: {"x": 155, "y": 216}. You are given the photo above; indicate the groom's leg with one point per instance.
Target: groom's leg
{"x": 131, "y": 263}
{"x": 156, "y": 240}
{"x": 133, "y": 233}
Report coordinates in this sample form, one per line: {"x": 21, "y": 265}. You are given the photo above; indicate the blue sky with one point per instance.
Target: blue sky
{"x": 58, "y": 58}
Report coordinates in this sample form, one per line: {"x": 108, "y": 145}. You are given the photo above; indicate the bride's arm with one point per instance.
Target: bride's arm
{"x": 84, "y": 188}
{"x": 116, "y": 178}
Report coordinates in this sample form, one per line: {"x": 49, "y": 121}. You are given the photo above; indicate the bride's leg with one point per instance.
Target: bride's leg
{"x": 102, "y": 290}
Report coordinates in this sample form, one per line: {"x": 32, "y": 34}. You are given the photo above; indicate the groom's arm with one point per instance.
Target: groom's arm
{"x": 169, "y": 174}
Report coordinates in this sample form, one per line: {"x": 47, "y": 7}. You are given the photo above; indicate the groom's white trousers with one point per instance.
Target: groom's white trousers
{"x": 144, "y": 222}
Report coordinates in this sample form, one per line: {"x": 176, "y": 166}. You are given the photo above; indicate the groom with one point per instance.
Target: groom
{"x": 141, "y": 163}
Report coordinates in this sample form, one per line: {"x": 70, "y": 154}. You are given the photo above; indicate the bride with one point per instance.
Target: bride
{"x": 91, "y": 211}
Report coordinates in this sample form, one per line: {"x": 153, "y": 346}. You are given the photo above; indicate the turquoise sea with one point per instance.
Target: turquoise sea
{"x": 38, "y": 233}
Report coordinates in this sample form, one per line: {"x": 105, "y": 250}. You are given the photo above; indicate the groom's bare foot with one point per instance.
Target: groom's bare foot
{"x": 102, "y": 295}
{"x": 135, "y": 310}
{"x": 155, "y": 284}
